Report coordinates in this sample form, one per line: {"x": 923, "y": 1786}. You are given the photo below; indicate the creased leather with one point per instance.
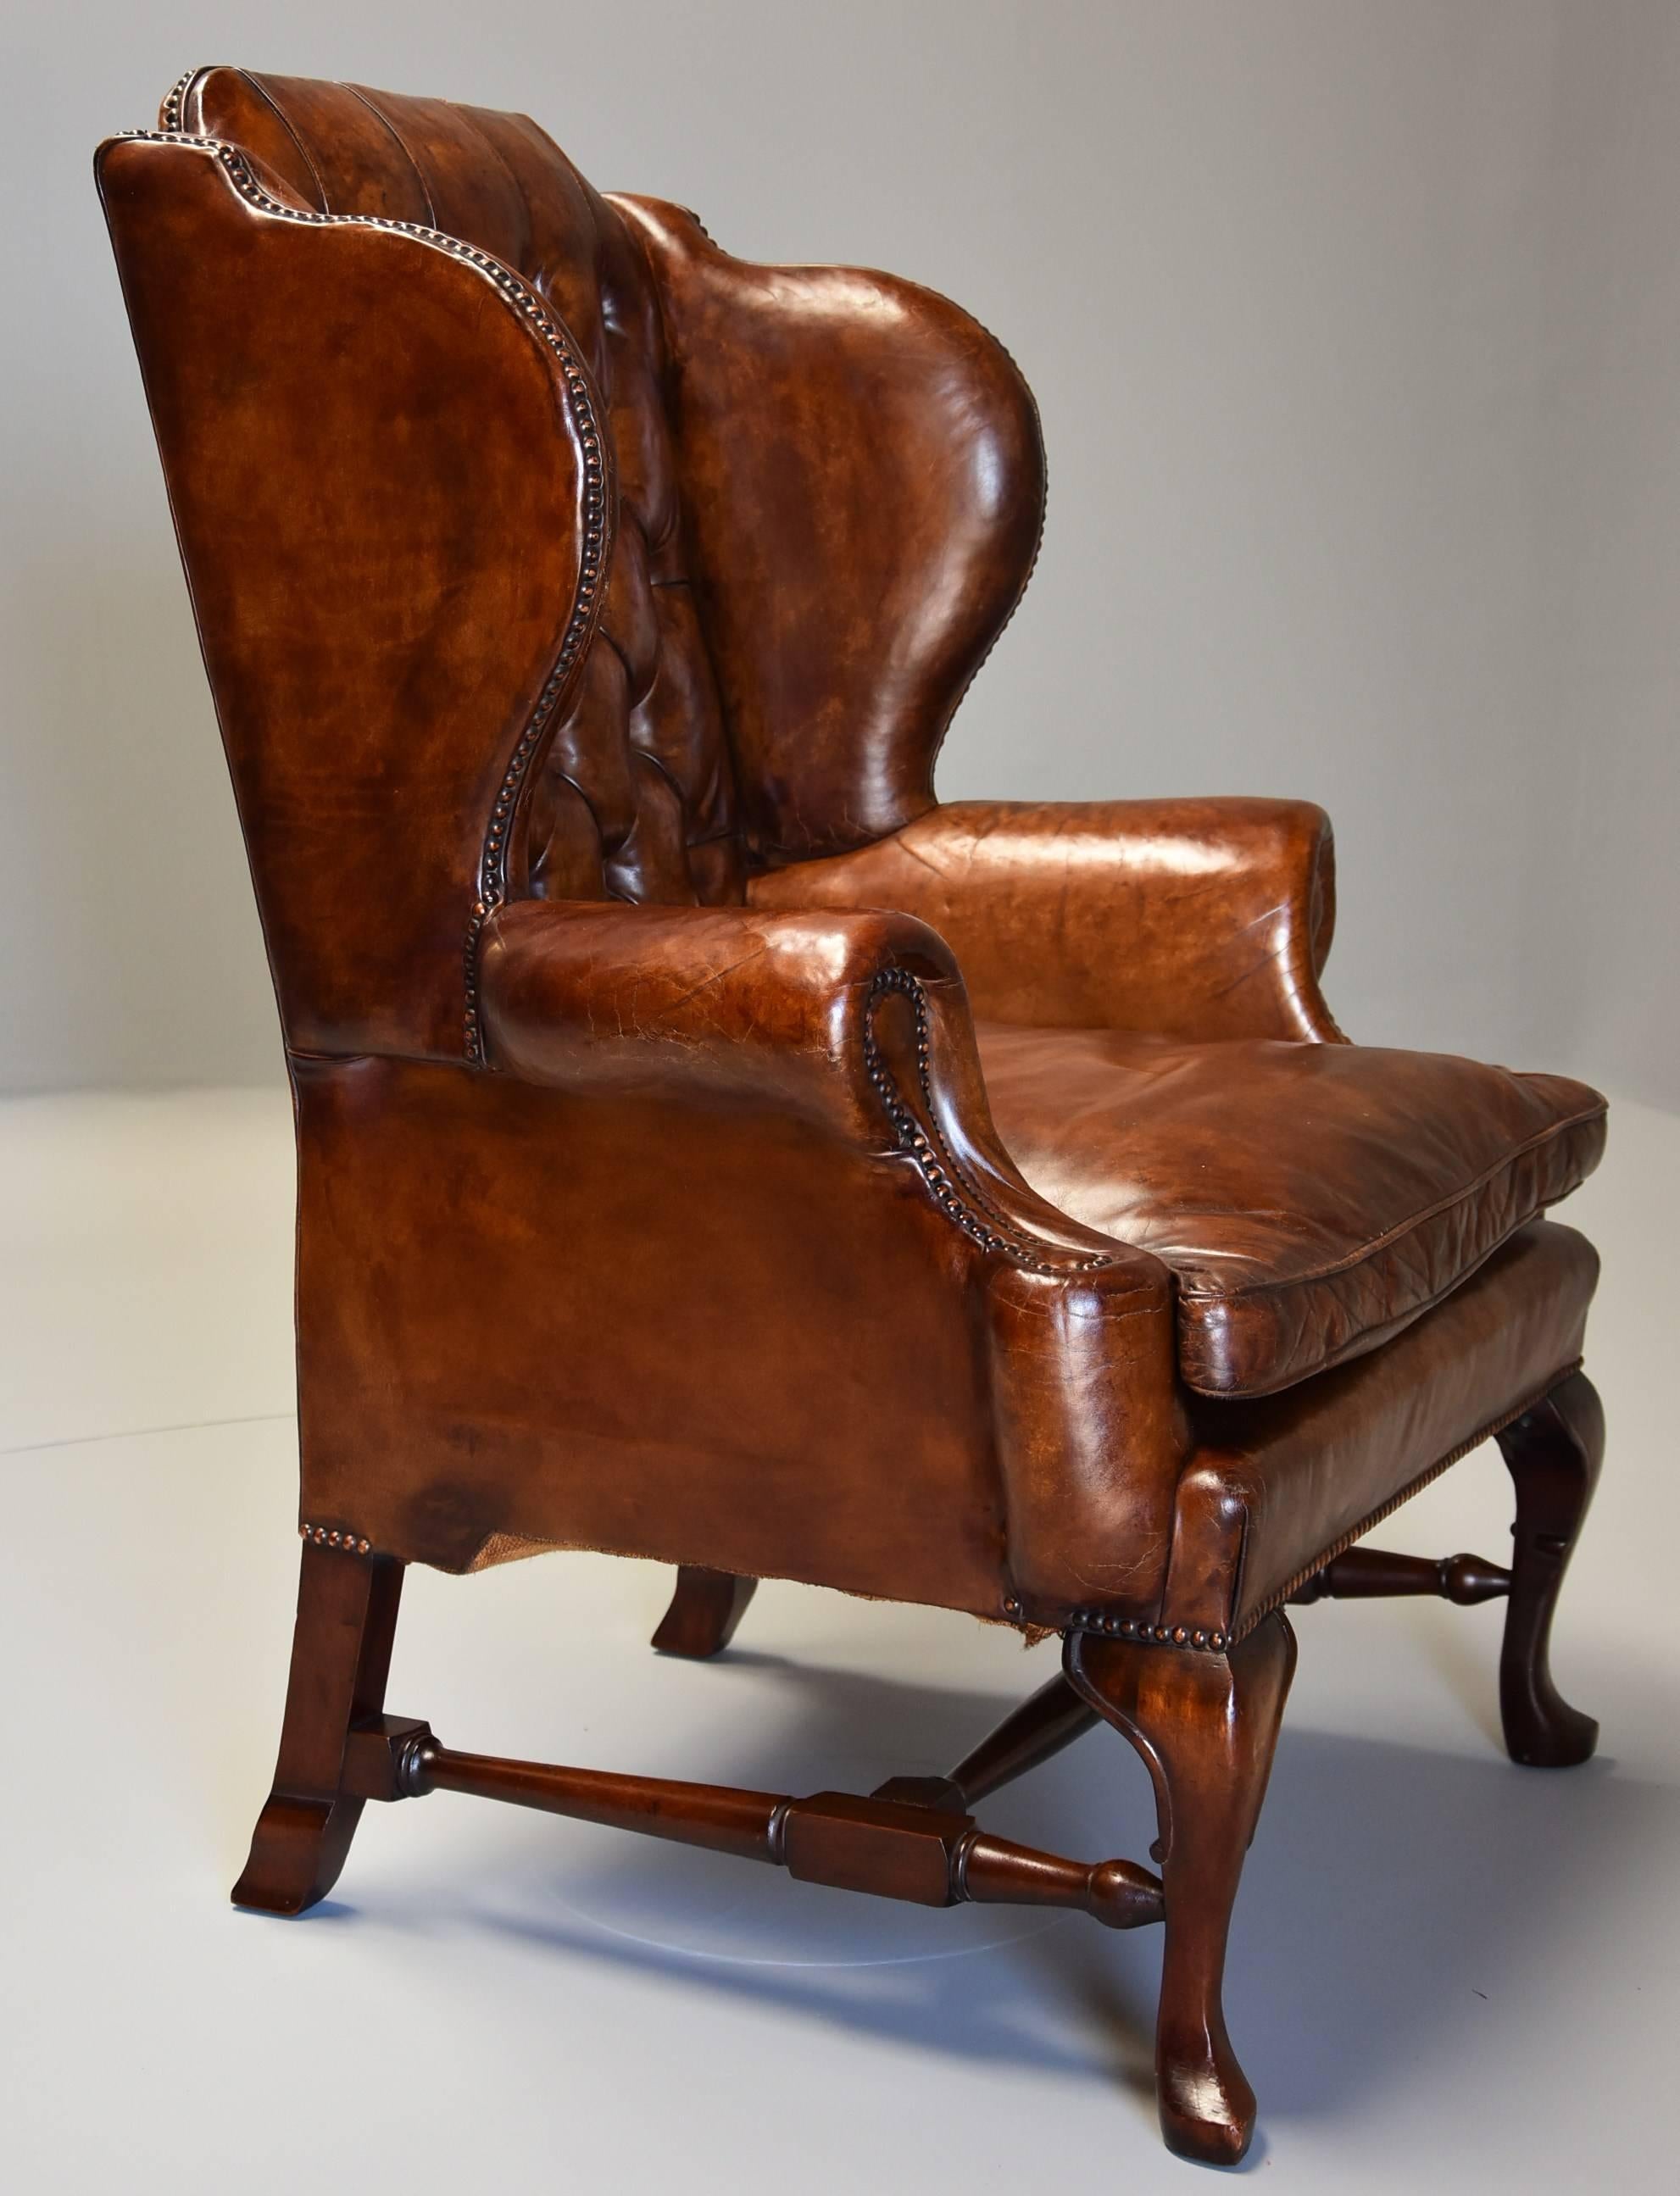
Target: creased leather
{"x": 714, "y": 1004}
{"x": 1187, "y": 918}
{"x": 776, "y": 1012}
{"x": 1311, "y": 1199}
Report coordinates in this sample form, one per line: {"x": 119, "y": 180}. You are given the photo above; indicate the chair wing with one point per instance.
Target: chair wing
{"x": 390, "y": 494}
{"x": 863, "y": 480}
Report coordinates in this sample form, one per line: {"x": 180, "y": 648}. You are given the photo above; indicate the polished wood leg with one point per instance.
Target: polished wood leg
{"x": 1206, "y": 1725}
{"x": 1553, "y": 1453}
{"x": 704, "y": 1611}
{"x": 341, "y": 1654}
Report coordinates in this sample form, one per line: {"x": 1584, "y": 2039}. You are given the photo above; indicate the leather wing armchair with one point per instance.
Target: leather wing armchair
{"x": 712, "y": 1148}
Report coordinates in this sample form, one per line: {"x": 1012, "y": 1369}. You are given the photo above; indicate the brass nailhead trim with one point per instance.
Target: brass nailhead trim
{"x": 953, "y": 1190}
{"x": 1142, "y": 1633}
{"x": 597, "y": 513}
{"x": 329, "y": 1536}
{"x": 173, "y": 103}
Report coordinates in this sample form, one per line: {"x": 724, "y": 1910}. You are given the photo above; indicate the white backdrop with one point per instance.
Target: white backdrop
{"x": 1356, "y": 331}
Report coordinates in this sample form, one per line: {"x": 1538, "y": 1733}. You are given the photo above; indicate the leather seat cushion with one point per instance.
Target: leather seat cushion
{"x": 1311, "y": 1199}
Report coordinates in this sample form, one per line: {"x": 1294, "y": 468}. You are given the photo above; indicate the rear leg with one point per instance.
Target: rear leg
{"x": 704, "y": 1611}
{"x": 341, "y": 1653}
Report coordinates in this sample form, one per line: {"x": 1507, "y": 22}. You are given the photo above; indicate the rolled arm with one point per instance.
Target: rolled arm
{"x": 673, "y": 1046}
{"x": 1196, "y": 918}
{"x": 702, "y": 1003}
{"x": 856, "y": 1022}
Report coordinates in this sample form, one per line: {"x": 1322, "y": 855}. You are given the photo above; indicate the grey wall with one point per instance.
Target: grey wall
{"x": 1602, "y": 961}
{"x": 1356, "y": 332}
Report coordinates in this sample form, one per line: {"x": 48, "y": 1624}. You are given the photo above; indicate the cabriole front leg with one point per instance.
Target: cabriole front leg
{"x": 1553, "y": 1453}
{"x": 1206, "y": 1725}
{"x": 341, "y": 1652}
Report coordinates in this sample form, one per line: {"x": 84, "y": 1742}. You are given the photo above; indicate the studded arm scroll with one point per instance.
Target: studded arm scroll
{"x": 855, "y": 1021}
{"x": 729, "y": 1194}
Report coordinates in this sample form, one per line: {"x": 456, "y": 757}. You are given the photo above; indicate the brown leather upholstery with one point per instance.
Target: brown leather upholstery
{"x": 890, "y": 520}
{"x": 634, "y": 794}
{"x": 1310, "y": 1199}
{"x": 857, "y": 552}
{"x": 1187, "y": 918}
{"x": 708, "y": 1325}
{"x": 584, "y": 609}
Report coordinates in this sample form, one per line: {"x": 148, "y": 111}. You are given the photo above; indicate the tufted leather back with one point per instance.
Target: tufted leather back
{"x": 819, "y": 493}
{"x": 635, "y": 800}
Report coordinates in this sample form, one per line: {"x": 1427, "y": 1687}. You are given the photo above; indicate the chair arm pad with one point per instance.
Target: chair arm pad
{"x": 855, "y": 1020}
{"x": 762, "y": 1139}
{"x": 1193, "y": 918}
{"x": 709, "y": 1003}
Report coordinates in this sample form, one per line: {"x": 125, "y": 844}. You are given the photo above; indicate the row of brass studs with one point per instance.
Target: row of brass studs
{"x": 326, "y": 1536}
{"x": 177, "y": 94}
{"x": 493, "y": 875}
{"x": 951, "y": 1188}
{"x": 493, "y": 864}
{"x": 1138, "y": 1629}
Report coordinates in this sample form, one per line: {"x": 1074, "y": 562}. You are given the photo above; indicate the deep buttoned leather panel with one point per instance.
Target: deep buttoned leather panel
{"x": 1188, "y": 918}
{"x": 634, "y": 794}
{"x": 865, "y": 482}
{"x": 841, "y": 520}
{"x": 1279, "y": 1484}
{"x": 1312, "y": 1200}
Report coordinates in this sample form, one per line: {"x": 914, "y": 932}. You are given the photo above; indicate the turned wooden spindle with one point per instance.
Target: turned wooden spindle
{"x": 1041, "y": 1727}
{"x": 715, "y": 1816}
{"x": 892, "y": 1848}
{"x": 1374, "y": 1574}
{"x": 1119, "y": 1893}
